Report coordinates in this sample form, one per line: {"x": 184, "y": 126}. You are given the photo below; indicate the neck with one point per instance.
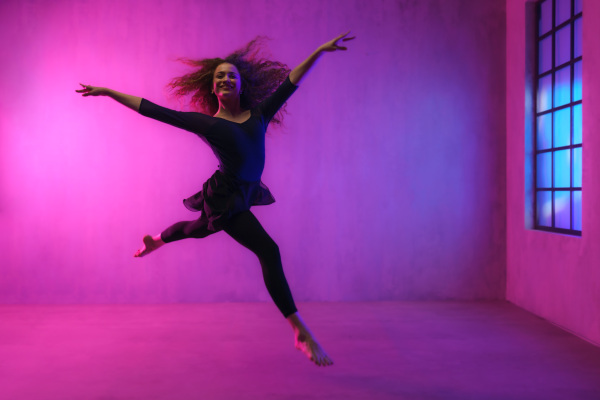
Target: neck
{"x": 230, "y": 108}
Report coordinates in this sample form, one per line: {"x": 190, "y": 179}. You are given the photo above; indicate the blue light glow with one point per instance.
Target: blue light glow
{"x": 562, "y": 127}
{"x": 562, "y": 210}
{"x": 577, "y": 210}
{"x": 562, "y": 88}
{"x": 544, "y": 131}
{"x": 559, "y": 170}
{"x": 577, "y": 82}
{"x": 577, "y": 162}
{"x": 544, "y": 168}
{"x": 544, "y": 208}
{"x": 544, "y": 95}
{"x": 562, "y": 169}
{"x": 577, "y": 124}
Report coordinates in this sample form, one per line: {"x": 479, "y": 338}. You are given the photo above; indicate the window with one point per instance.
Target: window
{"x": 558, "y": 140}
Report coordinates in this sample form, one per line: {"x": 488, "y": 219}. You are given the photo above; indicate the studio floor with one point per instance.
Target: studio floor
{"x": 388, "y": 350}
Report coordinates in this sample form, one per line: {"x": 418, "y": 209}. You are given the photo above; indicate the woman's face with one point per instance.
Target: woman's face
{"x": 227, "y": 81}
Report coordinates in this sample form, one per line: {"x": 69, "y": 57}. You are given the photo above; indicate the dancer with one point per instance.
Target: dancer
{"x": 241, "y": 94}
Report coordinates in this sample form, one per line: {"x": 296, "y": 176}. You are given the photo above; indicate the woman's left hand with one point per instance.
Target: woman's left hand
{"x": 332, "y": 45}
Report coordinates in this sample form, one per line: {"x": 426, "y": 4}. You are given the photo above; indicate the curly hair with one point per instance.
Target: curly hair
{"x": 260, "y": 77}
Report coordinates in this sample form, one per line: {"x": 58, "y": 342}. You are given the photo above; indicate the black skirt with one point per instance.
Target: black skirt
{"x": 223, "y": 196}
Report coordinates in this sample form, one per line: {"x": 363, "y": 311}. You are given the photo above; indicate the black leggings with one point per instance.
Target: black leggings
{"x": 247, "y": 231}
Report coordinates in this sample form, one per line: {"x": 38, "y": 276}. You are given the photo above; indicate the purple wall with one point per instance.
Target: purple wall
{"x": 389, "y": 175}
{"x": 554, "y": 276}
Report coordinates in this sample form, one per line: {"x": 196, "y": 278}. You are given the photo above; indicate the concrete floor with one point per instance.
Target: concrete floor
{"x": 390, "y": 350}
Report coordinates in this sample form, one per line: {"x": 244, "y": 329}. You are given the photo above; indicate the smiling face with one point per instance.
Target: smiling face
{"x": 227, "y": 82}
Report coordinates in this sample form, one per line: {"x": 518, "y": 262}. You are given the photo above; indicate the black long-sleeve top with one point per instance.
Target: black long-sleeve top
{"x": 239, "y": 147}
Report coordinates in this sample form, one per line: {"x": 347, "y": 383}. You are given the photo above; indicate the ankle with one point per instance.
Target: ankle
{"x": 298, "y": 325}
{"x": 158, "y": 240}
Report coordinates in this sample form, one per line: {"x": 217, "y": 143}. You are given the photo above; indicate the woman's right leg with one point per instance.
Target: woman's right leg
{"x": 247, "y": 230}
{"x": 180, "y": 230}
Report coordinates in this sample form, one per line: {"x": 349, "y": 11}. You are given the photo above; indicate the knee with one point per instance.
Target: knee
{"x": 274, "y": 249}
{"x": 271, "y": 251}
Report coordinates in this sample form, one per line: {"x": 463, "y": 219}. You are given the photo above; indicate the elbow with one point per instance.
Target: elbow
{"x": 295, "y": 77}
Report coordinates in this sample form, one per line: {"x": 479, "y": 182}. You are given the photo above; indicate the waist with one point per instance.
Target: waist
{"x": 235, "y": 178}
{"x": 242, "y": 176}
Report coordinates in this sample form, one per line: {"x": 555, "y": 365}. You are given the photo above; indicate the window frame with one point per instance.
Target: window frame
{"x": 551, "y": 111}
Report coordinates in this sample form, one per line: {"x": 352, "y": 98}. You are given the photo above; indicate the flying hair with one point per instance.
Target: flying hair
{"x": 260, "y": 78}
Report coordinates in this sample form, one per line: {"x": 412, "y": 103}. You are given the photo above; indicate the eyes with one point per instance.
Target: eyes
{"x": 221, "y": 75}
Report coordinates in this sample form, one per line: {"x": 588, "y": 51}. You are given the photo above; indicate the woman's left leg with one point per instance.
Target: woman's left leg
{"x": 247, "y": 230}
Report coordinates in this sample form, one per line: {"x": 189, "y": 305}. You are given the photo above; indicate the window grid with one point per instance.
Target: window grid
{"x": 551, "y": 111}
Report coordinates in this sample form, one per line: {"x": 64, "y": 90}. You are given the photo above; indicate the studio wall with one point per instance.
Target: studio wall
{"x": 389, "y": 173}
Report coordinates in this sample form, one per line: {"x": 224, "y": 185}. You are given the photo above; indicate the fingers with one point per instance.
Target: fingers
{"x": 82, "y": 90}
{"x": 86, "y": 90}
{"x": 343, "y": 38}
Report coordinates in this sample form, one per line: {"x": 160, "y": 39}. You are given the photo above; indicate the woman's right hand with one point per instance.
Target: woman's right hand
{"x": 92, "y": 90}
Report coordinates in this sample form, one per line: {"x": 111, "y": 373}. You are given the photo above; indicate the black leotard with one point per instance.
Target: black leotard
{"x": 240, "y": 149}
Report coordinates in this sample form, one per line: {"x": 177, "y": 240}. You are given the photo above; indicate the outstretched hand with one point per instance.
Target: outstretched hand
{"x": 91, "y": 90}
{"x": 332, "y": 45}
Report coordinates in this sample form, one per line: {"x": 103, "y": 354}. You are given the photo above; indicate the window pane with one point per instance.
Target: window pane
{"x": 562, "y": 88}
{"x": 544, "y": 208}
{"x": 544, "y": 94}
{"x": 577, "y": 167}
{"x": 578, "y": 6}
{"x": 577, "y": 37}
{"x": 562, "y": 169}
{"x": 562, "y": 210}
{"x": 577, "y": 210}
{"x": 544, "y": 132}
{"x": 546, "y": 16}
{"x": 563, "y": 45}
{"x": 545, "y": 55}
{"x": 577, "y": 82}
{"x": 562, "y": 127}
{"x": 577, "y": 124}
{"x": 544, "y": 170}
{"x": 563, "y": 11}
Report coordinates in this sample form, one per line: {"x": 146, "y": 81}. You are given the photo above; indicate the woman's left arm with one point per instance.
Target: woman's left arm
{"x": 300, "y": 72}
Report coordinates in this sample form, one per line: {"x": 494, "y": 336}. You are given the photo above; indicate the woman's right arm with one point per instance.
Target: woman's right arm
{"x": 132, "y": 102}
{"x": 194, "y": 122}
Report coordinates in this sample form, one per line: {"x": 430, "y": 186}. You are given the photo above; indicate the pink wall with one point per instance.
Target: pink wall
{"x": 389, "y": 176}
{"x": 554, "y": 276}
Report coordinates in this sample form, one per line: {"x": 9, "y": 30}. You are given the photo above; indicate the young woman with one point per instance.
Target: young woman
{"x": 241, "y": 94}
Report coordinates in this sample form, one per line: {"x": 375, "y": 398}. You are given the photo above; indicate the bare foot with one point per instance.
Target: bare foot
{"x": 312, "y": 349}
{"x": 150, "y": 244}
{"x": 307, "y": 343}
